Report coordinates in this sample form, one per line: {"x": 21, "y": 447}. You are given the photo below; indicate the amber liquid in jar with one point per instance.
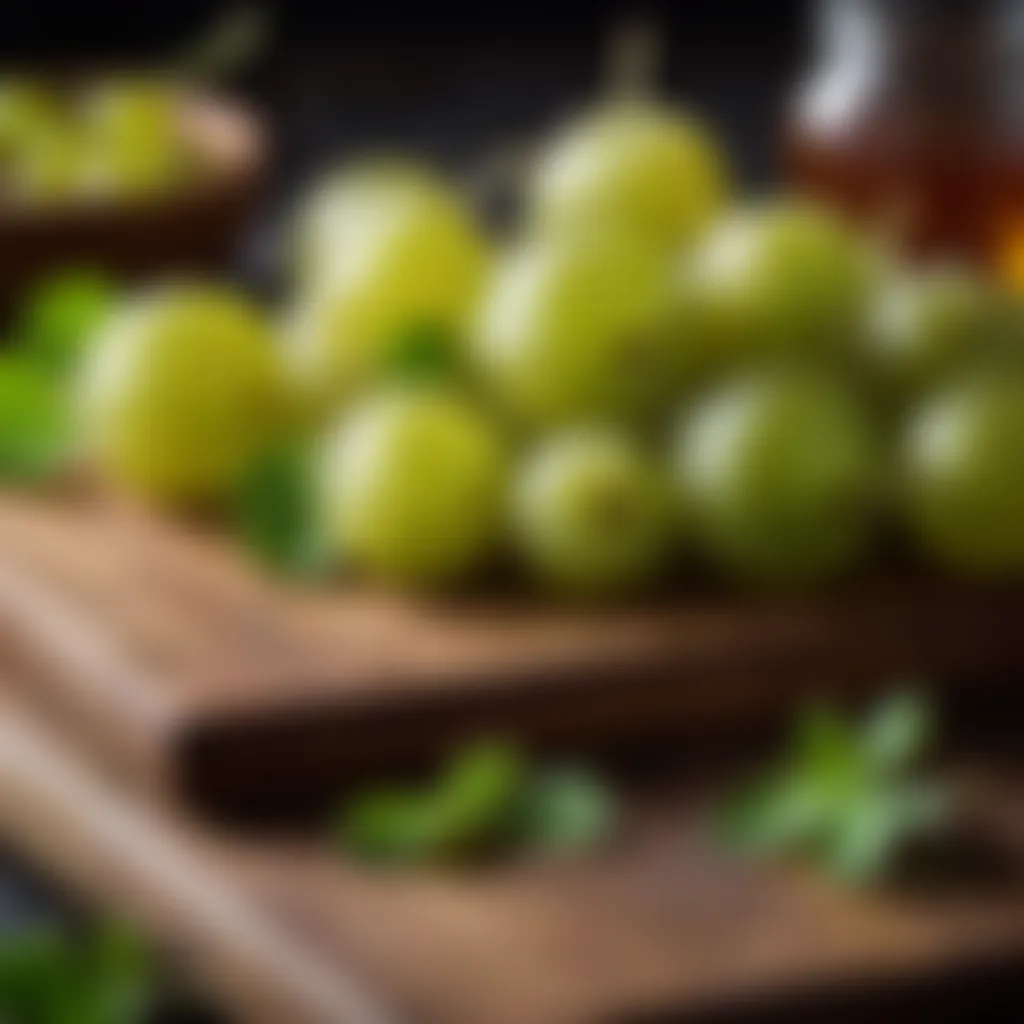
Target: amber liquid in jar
{"x": 913, "y": 123}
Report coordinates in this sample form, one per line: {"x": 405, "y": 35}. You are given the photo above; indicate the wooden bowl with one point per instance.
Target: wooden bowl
{"x": 189, "y": 229}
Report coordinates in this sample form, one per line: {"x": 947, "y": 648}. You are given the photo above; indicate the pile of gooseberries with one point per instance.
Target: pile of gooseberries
{"x": 109, "y": 139}
{"x": 646, "y": 380}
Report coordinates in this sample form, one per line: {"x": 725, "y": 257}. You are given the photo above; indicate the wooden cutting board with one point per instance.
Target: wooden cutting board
{"x": 188, "y": 667}
{"x": 660, "y": 926}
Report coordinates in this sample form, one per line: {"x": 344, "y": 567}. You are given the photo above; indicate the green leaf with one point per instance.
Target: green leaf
{"x": 276, "y": 512}
{"x": 464, "y": 813}
{"x": 123, "y": 974}
{"x": 387, "y": 826}
{"x": 487, "y": 801}
{"x": 420, "y": 353}
{"x": 871, "y": 839}
{"x": 103, "y": 976}
{"x": 866, "y": 840}
{"x": 826, "y": 745}
{"x": 36, "y": 429}
{"x": 34, "y": 968}
{"x": 898, "y": 732}
{"x": 566, "y": 810}
{"x": 60, "y": 318}
{"x": 843, "y": 797}
{"x": 476, "y": 798}
{"x": 773, "y": 817}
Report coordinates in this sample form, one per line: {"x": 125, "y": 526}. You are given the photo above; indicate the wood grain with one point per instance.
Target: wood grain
{"x": 57, "y": 811}
{"x": 659, "y": 924}
{"x": 189, "y": 667}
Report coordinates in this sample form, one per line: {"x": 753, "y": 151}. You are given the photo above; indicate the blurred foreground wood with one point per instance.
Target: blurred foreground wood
{"x": 183, "y": 664}
{"x": 660, "y": 926}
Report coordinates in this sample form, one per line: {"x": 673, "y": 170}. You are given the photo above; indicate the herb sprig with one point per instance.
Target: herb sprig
{"x": 486, "y": 802}
{"x": 58, "y": 320}
{"x": 850, "y": 797}
{"x": 275, "y": 512}
{"x": 50, "y": 976}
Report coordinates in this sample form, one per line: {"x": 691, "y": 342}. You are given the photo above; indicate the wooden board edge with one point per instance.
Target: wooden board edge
{"x": 110, "y": 848}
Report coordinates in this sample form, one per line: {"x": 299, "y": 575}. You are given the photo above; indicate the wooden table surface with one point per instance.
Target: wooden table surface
{"x": 662, "y": 923}
{"x": 182, "y": 662}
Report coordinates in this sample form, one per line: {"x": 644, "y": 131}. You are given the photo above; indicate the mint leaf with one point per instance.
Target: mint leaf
{"x": 846, "y": 796}
{"x": 387, "y": 826}
{"x": 122, "y": 973}
{"x": 871, "y": 838}
{"x": 475, "y": 798}
{"x": 34, "y": 970}
{"x": 420, "y": 353}
{"x": 60, "y": 318}
{"x": 899, "y": 732}
{"x": 865, "y": 840}
{"x": 464, "y": 813}
{"x": 566, "y": 810}
{"x": 486, "y": 802}
{"x": 36, "y": 429}
{"x": 55, "y": 325}
{"x": 826, "y": 746}
{"x": 104, "y": 976}
{"x": 778, "y": 816}
{"x": 276, "y": 513}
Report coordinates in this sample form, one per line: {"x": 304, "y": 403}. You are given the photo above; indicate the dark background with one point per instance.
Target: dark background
{"x": 447, "y": 79}
{"x": 62, "y": 27}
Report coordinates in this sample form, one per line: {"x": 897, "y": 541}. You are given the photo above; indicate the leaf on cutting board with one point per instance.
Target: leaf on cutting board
{"x": 488, "y": 801}
{"x": 460, "y": 814}
{"x": 849, "y": 797}
{"x": 899, "y": 732}
{"x": 566, "y": 810}
{"x": 772, "y": 817}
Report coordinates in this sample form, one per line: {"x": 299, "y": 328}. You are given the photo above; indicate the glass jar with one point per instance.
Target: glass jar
{"x": 912, "y": 120}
